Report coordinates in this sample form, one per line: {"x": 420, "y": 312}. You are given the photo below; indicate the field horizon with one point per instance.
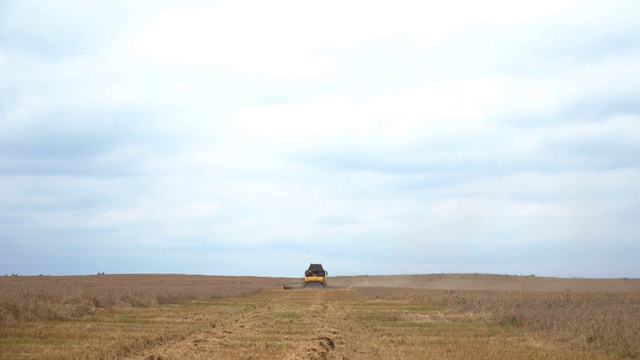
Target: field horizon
{"x": 436, "y": 281}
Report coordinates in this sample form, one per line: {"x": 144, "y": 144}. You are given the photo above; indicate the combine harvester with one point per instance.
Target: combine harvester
{"x": 315, "y": 275}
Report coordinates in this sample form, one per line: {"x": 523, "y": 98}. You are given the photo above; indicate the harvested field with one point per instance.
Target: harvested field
{"x": 205, "y": 317}
{"x": 489, "y": 282}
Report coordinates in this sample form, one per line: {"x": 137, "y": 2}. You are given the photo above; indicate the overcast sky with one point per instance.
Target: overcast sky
{"x": 253, "y": 138}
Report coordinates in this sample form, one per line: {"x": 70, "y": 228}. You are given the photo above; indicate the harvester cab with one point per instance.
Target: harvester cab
{"x": 315, "y": 275}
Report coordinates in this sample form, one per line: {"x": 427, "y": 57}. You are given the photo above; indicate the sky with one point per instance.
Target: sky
{"x": 254, "y": 138}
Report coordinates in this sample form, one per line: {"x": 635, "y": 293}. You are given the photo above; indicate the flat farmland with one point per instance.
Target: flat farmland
{"x": 457, "y": 316}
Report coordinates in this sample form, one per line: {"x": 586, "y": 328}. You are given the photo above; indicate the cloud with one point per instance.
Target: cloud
{"x": 454, "y": 105}
{"x": 61, "y": 31}
{"x": 290, "y": 39}
{"x": 405, "y": 137}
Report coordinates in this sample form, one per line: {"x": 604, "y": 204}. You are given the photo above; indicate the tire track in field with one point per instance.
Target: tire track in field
{"x": 215, "y": 341}
{"x": 299, "y": 324}
{"x": 322, "y": 344}
{"x": 324, "y": 323}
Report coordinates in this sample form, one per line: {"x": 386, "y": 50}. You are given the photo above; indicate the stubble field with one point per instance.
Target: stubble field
{"x": 367, "y": 317}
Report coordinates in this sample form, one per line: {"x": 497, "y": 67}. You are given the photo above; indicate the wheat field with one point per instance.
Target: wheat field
{"x": 455, "y": 316}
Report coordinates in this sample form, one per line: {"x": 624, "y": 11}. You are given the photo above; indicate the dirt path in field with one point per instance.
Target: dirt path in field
{"x": 291, "y": 324}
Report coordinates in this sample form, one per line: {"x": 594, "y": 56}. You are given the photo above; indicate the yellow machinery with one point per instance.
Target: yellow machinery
{"x": 315, "y": 275}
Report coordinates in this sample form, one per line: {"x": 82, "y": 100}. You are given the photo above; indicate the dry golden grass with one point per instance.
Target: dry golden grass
{"x": 203, "y": 317}
{"x": 68, "y": 297}
{"x": 606, "y": 320}
{"x": 489, "y": 282}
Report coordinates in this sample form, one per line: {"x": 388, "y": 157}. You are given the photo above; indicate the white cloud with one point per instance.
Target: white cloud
{"x": 436, "y": 108}
{"x": 290, "y": 38}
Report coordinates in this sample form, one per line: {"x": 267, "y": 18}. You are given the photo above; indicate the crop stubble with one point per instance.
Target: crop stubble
{"x": 334, "y": 323}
